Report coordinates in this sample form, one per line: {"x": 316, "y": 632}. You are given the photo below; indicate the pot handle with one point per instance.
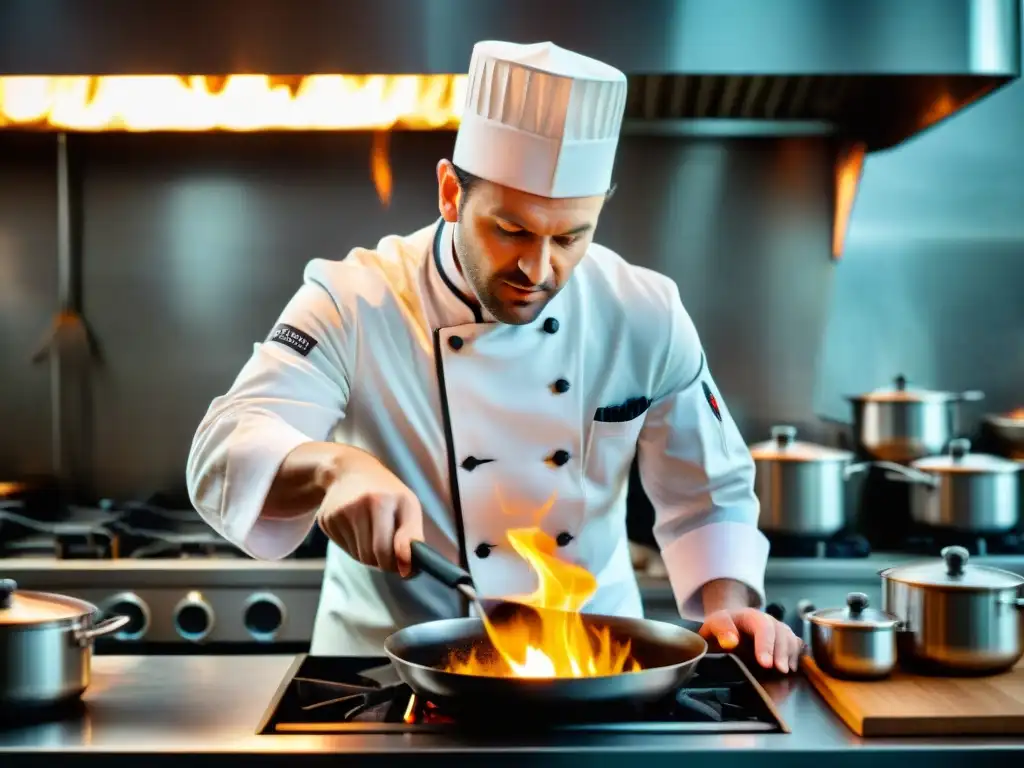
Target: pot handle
{"x": 971, "y": 396}
{"x": 853, "y": 469}
{"x": 106, "y": 627}
{"x": 906, "y": 475}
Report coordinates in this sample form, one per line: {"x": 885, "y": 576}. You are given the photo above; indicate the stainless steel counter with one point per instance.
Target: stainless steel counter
{"x": 160, "y": 710}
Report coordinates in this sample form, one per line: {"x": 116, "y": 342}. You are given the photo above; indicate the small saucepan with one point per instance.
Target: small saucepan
{"x": 856, "y": 642}
{"x": 46, "y": 643}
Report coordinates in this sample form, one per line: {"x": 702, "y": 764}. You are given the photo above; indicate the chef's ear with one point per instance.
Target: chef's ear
{"x": 449, "y": 191}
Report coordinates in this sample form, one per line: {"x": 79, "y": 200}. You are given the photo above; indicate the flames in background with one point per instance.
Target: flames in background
{"x": 238, "y": 103}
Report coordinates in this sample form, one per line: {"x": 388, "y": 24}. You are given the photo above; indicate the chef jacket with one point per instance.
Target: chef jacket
{"x": 492, "y": 427}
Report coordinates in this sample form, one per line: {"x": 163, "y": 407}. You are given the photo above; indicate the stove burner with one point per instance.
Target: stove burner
{"x": 840, "y": 545}
{"x": 323, "y": 694}
{"x": 932, "y": 543}
{"x": 111, "y": 531}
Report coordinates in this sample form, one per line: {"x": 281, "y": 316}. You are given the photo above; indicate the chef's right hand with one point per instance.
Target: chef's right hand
{"x": 371, "y": 514}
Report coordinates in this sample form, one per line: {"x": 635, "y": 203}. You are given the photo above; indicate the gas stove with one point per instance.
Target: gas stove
{"x": 336, "y": 694}
{"x": 184, "y": 587}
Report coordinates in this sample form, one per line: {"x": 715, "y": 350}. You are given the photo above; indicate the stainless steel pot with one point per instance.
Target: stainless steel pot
{"x": 801, "y": 486}
{"x": 956, "y": 618}
{"x": 46, "y": 645}
{"x": 903, "y": 424}
{"x": 1009, "y": 430}
{"x": 963, "y": 491}
{"x": 856, "y": 642}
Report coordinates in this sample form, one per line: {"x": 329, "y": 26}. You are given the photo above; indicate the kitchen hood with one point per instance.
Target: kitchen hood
{"x": 876, "y": 71}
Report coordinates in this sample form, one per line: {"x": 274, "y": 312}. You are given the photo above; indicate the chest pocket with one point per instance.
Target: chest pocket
{"x": 611, "y": 446}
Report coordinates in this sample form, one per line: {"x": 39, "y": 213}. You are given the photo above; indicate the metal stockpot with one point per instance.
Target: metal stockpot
{"x": 856, "y": 642}
{"x": 963, "y": 491}
{"x": 801, "y": 486}
{"x": 46, "y": 646}
{"x": 956, "y": 618}
{"x": 903, "y": 424}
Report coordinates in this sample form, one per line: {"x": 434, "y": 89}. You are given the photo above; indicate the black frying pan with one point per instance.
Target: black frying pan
{"x": 668, "y": 654}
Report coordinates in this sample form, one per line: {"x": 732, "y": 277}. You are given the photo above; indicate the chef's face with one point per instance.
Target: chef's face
{"x": 516, "y": 250}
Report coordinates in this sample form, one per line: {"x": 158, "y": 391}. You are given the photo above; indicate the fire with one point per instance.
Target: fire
{"x": 559, "y": 644}
{"x": 137, "y": 103}
{"x": 197, "y": 103}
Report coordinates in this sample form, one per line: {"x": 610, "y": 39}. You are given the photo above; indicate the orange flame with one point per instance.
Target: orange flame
{"x": 197, "y": 103}
{"x": 233, "y": 103}
{"x": 559, "y": 644}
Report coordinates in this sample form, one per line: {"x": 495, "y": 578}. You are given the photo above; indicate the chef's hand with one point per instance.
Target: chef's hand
{"x": 775, "y": 644}
{"x": 371, "y": 514}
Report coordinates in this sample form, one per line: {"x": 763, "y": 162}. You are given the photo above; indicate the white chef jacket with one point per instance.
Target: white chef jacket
{"x": 493, "y": 427}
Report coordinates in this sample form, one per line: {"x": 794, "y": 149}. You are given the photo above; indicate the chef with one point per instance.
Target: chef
{"x": 496, "y": 369}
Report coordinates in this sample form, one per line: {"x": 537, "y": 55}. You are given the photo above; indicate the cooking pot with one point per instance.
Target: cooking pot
{"x": 903, "y": 423}
{"x": 855, "y": 642}
{"x": 1009, "y": 429}
{"x": 963, "y": 491}
{"x": 955, "y": 618}
{"x": 46, "y": 645}
{"x": 801, "y": 486}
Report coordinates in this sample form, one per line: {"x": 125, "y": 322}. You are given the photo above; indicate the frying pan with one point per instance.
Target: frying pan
{"x": 668, "y": 655}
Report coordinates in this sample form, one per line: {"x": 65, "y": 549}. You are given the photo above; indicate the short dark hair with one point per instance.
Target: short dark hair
{"x": 467, "y": 181}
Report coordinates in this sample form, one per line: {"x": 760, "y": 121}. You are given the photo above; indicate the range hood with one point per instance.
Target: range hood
{"x": 869, "y": 74}
{"x": 877, "y": 71}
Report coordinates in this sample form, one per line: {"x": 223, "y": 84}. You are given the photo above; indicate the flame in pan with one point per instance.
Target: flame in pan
{"x": 549, "y": 645}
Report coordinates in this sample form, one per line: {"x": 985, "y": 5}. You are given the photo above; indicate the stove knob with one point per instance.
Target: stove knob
{"x": 264, "y": 616}
{"x": 193, "y": 617}
{"x": 134, "y": 607}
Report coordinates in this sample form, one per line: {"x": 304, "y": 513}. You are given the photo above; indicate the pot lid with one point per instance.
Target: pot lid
{"x": 901, "y": 392}
{"x": 953, "y": 572}
{"x": 783, "y": 446}
{"x": 856, "y": 614}
{"x": 20, "y": 607}
{"x": 960, "y": 459}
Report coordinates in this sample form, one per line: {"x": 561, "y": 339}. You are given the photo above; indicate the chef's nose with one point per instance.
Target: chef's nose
{"x": 536, "y": 264}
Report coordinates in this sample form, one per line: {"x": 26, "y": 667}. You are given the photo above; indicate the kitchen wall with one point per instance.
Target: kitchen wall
{"x": 192, "y": 244}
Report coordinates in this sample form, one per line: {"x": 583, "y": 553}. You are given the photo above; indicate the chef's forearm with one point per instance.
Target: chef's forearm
{"x": 303, "y": 477}
{"x": 725, "y": 594}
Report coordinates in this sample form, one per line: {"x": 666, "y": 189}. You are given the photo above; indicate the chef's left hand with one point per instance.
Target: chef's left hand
{"x": 775, "y": 644}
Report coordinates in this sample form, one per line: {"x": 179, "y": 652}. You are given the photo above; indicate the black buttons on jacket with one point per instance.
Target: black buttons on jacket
{"x": 561, "y": 386}
{"x": 483, "y": 550}
{"x": 455, "y": 342}
{"x": 560, "y": 457}
{"x": 472, "y": 462}
{"x": 563, "y": 539}
{"x": 551, "y": 325}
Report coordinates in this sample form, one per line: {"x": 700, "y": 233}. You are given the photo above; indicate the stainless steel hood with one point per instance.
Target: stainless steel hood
{"x": 874, "y": 70}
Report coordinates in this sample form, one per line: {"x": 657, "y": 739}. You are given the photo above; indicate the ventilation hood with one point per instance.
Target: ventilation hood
{"x": 874, "y": 70}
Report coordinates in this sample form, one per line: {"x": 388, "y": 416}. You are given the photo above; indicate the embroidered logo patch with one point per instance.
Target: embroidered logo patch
{"x": 293, "y": 338}
{"x": 712, "y": 400}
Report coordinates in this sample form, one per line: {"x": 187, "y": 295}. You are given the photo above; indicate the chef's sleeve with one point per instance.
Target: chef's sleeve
{"x": 293, "y": 390}
{"x": 699, "y": 475}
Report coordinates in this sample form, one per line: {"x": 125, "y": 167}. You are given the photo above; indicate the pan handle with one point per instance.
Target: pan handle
{"x": 433, "y": 563}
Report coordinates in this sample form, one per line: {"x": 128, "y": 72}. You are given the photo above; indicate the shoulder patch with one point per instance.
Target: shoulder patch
{"x": 293, "y": 338}
{"x": 712, "y": 400}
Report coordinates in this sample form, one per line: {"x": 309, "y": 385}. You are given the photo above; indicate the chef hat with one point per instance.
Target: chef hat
{"x": 541, "y": 119}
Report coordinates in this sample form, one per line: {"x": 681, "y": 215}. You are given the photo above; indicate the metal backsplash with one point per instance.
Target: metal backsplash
{"x": 192, "y": 244}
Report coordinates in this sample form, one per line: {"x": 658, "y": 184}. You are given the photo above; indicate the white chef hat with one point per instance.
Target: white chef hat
{"x": 541, "y": 119}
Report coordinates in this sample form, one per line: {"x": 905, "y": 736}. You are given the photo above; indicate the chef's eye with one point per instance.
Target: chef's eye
{"x": 510, "y": 230}
{"x": 566, "y": 241}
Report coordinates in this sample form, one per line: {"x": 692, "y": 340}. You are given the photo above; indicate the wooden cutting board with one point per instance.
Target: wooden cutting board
{"x": 916, "y": 705}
